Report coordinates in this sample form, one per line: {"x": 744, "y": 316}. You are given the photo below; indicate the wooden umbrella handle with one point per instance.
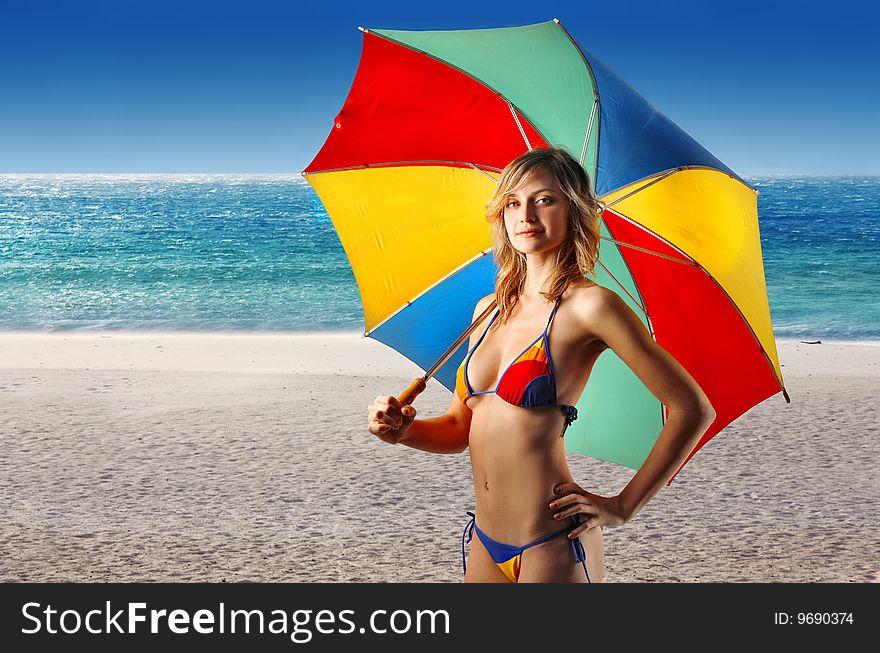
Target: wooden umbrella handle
{"x": 414, "y": 390}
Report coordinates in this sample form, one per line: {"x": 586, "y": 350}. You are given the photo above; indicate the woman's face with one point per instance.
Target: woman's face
{"x": 536, "y": 214}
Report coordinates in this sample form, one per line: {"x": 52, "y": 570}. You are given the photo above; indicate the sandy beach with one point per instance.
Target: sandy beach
{"x": 245, "y": 457}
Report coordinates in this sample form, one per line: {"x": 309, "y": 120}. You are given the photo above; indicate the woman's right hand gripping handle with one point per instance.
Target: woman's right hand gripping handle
{"x": 389, "y": 420}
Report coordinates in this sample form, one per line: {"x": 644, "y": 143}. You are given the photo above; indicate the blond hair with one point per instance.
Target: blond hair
{"x": 578, "y": 254}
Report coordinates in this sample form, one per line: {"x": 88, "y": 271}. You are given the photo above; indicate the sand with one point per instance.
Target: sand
{"x": 245, "y": 457}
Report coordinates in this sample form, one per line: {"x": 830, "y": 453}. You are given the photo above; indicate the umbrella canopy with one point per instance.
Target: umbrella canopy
{"x": 413, "y": 157}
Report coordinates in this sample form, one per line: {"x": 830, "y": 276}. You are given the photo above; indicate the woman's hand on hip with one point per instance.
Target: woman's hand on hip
{"x": 595, "y": 510}
{"x": 388, "y": 419}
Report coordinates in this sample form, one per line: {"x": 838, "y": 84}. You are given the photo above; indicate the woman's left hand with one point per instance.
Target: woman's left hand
{"x": 596, "y": 510}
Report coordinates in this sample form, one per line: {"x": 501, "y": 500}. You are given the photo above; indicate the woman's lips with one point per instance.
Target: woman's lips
{"x": 529, "y": 233}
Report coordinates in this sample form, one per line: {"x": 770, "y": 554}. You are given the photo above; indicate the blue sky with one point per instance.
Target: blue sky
{"x": 134, "y": 86}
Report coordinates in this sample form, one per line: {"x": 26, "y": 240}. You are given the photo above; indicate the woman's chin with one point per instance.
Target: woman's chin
{"x": 534, "y": 248}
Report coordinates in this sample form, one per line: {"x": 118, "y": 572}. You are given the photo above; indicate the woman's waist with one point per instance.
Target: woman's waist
{"x": 502, "y": 447}
{"x": 514, "y": 463}
{"x": 517, "y": 513}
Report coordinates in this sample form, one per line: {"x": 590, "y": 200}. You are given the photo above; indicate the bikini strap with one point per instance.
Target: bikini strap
{"x": 552, "y": 313}
{"x": 491, "y": 322}
{"x": 541, "y": 540}
{"x": 469, "y": 533}
{"x": 578, "y": 548}
{"x": 547, "y": 344}
{"x": 471, "y": 352}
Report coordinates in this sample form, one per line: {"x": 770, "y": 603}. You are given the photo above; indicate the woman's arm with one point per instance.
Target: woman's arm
{"x": 448, "y": 433}
{"x": 445, "y": 434}
{"x": 608, "y": 318}
{"x": 394, "y": 423}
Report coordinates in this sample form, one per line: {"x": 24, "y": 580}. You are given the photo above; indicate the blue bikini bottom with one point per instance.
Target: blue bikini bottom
{"x": 509, "y": 557}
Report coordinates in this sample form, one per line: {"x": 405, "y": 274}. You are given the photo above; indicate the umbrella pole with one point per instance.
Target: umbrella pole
{"x": 418, "y": 385}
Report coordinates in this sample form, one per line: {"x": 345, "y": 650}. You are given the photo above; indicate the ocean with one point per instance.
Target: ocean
{"x": 258, "y": 253}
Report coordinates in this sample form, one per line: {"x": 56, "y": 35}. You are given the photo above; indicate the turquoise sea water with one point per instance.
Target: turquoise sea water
{"x": 232, "y": 252}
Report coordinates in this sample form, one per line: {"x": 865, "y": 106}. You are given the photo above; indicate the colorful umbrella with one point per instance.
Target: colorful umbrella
{"x": 412, "y": 158}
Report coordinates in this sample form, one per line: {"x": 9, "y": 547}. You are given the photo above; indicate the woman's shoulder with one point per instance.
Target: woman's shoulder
{"x": 585, "y": 292}
{"x": 588, "y": 300}
{"x": 483, "y": 303}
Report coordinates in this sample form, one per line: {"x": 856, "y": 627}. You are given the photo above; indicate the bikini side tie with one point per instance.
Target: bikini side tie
{"x": 470, "y": 536}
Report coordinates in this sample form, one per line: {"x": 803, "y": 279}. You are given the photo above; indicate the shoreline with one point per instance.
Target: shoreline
{"x": 314, "y": 353}
{"x": 316, "y": 332}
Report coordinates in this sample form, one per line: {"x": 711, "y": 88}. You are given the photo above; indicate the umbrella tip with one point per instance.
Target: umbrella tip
{"x": 363, "y": 29}
{"x": 556, "y": 20}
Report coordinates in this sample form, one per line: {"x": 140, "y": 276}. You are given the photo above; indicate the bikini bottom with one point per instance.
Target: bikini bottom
{"x": 509, "y": 557}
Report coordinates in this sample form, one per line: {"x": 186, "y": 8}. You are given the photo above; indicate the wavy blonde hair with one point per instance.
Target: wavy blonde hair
{"x": 578, "y": 254}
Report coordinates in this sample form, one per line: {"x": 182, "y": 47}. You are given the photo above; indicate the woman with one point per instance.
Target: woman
{"x": 510, "y": 408}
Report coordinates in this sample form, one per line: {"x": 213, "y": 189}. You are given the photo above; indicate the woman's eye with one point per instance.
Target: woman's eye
{"x": 510, "y": 204}
{"x": 546, "y": 199}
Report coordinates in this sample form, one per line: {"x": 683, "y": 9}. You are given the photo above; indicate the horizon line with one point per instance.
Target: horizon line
{"x": 299, "y": 174}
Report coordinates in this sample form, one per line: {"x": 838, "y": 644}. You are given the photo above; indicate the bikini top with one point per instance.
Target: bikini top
{"x": 528, "y": 382}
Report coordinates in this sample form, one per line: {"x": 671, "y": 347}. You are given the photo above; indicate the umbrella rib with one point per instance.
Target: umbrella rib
{"x": 680, "y": 169}
{"x": 483, "y": 172}
{"x": 644, "y": 186}
{"x": 596, "y": 101}
{"x": 452, "y": 273}
{"x": 589, "y": 127}
{"x": 647, "y": 251}
{"x": 518, "y": 123}
{"x": 778, "y": 378}
{"x": 654, "y": 234}
{"x": 623, "y": 288}
{"x": 388, "y": 164}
